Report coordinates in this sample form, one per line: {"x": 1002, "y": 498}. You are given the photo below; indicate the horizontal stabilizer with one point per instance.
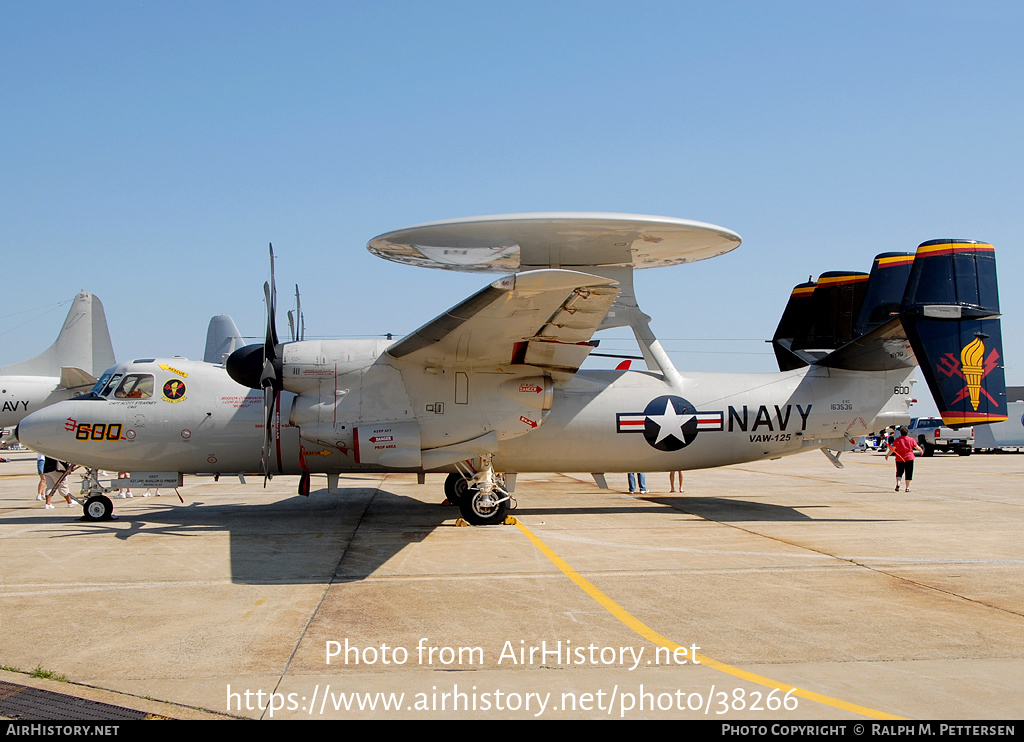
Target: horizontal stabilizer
{"x": 75, "y": 378}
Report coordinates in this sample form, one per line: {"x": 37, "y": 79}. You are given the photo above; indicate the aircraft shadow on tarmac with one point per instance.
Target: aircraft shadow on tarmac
{"x": 730, "y": 510}
{"x": 338, "y": 536}
{"x": 347, "y": 536}
{"x": 709, "y": 508}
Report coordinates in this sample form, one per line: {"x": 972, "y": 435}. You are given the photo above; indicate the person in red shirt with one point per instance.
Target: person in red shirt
{"x": 903, "y": 448}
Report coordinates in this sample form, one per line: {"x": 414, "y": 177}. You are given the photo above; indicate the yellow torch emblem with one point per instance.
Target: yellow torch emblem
{"x": 971, "y": 359}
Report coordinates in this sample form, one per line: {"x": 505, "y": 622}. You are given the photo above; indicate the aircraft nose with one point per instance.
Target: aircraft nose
{"x": 36, "y": 432}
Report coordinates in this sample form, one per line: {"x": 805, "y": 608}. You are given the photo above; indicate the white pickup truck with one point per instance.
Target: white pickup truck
{"x": 931, "y": 435}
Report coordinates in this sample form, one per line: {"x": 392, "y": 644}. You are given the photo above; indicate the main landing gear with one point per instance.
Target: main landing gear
{"x": 481, "y": 497}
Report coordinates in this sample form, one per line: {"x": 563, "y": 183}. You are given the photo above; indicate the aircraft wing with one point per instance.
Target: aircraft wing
{"x": 541, "y": 318}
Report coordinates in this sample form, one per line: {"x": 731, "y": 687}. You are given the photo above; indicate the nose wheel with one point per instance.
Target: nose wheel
{"x": 457, "y": 487}
{"x": 485, "y": 508}
{"x": 99, "y": 507}
{"x": 481, "y": 496}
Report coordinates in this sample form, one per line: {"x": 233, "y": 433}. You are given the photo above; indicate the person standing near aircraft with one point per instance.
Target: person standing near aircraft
{"x": 632, "y": 477}
{"x": 904, "y": 448}
{"x": 54, "y": 471}
{"x": 672, "y": 480}
{"x": 124, "y": 492}
{"x": 41, "y": 487}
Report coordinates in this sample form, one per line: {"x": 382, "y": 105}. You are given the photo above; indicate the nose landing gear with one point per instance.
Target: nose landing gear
{"x": 481, "y": 497}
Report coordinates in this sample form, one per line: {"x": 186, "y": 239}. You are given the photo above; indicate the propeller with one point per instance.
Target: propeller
{"x": 259, "y": 367}
{"x": 296, "y": 320}
{"x": 270, "y": 378}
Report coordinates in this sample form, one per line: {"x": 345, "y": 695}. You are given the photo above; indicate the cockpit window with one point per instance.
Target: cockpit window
{"x": 135, "y": 386}
{"x": 109, "y": 385}
{"x": 101, "y": 383}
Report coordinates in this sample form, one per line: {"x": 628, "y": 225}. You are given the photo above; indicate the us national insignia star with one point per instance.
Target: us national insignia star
{"x": 668, "y": 423}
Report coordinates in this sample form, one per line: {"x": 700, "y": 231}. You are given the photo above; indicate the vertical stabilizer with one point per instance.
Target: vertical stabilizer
{"x": 886, "y": 284}
{"x": 796, "y": 318}
{"x": 834, "y": 307}
{"x": 950, "y": 312}
{"x": 222, "y": 339}
{"x": 83, "y": 343}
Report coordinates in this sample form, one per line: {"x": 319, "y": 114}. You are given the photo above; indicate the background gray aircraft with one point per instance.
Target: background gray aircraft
{"x": 71, "y": 365}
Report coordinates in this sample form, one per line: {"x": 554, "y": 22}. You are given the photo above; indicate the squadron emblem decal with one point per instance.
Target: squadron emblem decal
{"x": 174, "y": 391}
{"x": 668, "y": 423}
{"x": 971, "y": 369}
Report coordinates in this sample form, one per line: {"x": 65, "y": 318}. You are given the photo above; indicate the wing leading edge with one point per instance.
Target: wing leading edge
{"x": 542, "y": 318}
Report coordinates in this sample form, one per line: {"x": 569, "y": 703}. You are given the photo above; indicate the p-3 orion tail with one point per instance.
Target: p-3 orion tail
{"x": 938, "y": 309}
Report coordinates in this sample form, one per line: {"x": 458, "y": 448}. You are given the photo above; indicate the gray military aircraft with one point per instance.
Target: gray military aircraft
{"x": 493, "y": 386}
{"x": 68, "y": 367}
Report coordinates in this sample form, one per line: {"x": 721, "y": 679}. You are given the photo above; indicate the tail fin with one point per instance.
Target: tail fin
{"x": 795, "y": 317}
{"x": 890, "y": 272}
{"x": 950, "y": 312}
{"x": 83, "y": 343}
{"x": 947, "y": 322}
{"x": 819, "y": 318}
{"x": 222, "y": 339}
{"x": 835, "y": 304}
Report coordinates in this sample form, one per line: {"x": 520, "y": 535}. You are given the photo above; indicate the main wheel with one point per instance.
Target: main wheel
{"x": 456, "y": 487}
{"x": 929, "y": 450}
{"x": 485, "y": 510}
{"x": 964, "y": 451}
{"x": 98, "y": 507}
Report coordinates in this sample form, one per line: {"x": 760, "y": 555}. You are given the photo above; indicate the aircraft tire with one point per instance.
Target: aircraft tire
{"x": 476, "y": 513}
{"x": 965, "y": 451}
{"x": 929, "y": 450}
{"x": 98, "y": 507}
{"x": 455, "y": 488}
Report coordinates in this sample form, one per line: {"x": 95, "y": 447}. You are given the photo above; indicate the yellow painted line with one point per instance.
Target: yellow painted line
{"x": 653, "y": 636}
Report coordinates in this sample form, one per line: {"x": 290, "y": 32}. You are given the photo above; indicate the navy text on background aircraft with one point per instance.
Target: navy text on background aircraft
{"x": 493, "y": 386}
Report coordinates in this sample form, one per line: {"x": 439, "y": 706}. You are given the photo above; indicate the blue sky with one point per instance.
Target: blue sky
{"x": 150, "y": 151}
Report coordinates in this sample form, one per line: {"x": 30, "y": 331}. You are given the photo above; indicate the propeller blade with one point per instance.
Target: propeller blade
{"x": 270, "y": 292}
{"x": 270, "y": 346}
{"x": 270, "y": 379}
{"x": 269, "y": 406}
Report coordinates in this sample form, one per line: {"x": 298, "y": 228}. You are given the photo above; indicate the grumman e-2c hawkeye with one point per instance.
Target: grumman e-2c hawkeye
{"x": 493, "y": 386}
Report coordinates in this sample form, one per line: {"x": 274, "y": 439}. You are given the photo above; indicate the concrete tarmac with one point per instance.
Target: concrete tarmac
{"x": 776, "y": 574}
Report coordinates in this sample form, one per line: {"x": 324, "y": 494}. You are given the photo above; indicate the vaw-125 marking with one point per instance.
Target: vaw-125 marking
{"x": 493, "y": 386}
{"x": 68, "y": 367}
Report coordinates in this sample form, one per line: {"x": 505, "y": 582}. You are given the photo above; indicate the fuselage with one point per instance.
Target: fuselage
{"x": 20, "y": 396}
{"x": 353, "y": 408}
